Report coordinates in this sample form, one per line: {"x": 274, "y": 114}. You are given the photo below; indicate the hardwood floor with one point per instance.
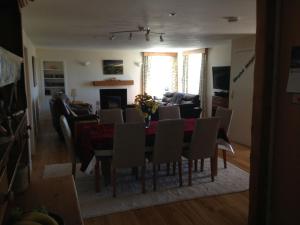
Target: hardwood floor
{"x": 230, "y": 209}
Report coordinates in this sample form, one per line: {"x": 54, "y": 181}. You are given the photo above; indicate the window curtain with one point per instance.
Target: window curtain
{"x": 185, "y": 74}
{"x": 151, "y": 74}
{"x": 203, "y": 84}
{"x": 145, "y": 73}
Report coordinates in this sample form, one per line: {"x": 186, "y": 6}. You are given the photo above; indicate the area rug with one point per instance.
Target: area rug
{"x": 129, "y": 195}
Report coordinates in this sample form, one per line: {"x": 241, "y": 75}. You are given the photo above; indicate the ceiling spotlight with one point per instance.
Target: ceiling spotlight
{"x": 130, "y": 36}
{"x": 161, "y": 38}
{"x": 112, "y": 37}
{"x": 231, "y": 19}
{"x": 172, "y": 13}
{"x": 147, "y": 35}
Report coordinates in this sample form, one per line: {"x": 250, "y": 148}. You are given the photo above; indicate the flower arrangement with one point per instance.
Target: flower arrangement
{"x": 145, "y": 104}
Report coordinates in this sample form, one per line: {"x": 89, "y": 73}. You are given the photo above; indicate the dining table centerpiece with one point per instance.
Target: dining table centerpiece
{"x": 146, "y": 105}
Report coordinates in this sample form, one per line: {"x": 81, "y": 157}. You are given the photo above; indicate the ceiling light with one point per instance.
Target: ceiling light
{"x": 172, "y": 13}
{"x": 231, "y": 19}
{"x": 147, "y": 31}
{"x": 161, "y": 38}
{"x": 147, "y": 35}
{"x": 112, "y": 37}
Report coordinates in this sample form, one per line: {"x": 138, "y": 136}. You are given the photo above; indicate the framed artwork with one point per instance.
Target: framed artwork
{"x": 34, "y": 72}
{"x": 114, "y": 67}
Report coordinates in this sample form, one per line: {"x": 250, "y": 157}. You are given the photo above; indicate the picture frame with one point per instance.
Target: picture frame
{"x": 34, "y": 71}
{"x": 112, "y": 67}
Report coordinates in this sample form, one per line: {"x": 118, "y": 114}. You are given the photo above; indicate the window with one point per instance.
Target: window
{"x": 160, "y": 74}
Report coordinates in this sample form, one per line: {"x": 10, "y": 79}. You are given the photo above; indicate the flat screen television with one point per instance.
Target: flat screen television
{"x": 221, "y": 78}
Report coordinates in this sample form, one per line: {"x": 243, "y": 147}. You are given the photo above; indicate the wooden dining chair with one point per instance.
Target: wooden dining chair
{"x": 128, "y": 150}
{"x": 69, "y": 142}
{"x": 203, "y": 144}
{"x": 169, "y": 112}
{"x": 133, "y": 116}
{"x": 168, "y": 146}
{"x": 114, "y": 116}
{"x": 225, "y": 115}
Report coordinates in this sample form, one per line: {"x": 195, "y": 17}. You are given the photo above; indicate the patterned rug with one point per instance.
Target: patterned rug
{"x": 129, "y": 194}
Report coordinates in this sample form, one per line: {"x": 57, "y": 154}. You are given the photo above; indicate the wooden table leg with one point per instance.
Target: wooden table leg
{"x": 97, "y": 176}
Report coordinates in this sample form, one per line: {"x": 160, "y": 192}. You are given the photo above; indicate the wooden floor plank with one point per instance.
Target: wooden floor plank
{"x": 229, "y": 209}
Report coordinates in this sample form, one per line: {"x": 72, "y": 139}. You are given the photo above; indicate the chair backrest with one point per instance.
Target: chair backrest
{"x": 129, "y": 145}
{"x": 133, "y": 116}
{"x": 114, "y": 116}
{"x": 67, "y": 137}
{"x": 204, "y": 138}
{"x": 225, "y": 115}
{"x": 168, "y": 141}
{"x": 169, "y": 112}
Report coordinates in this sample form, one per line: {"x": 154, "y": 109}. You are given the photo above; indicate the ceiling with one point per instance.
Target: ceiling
{"x": 86, "y": 24}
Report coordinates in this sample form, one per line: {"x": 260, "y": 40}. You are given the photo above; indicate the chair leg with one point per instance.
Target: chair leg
{"x": 168, "y": 169}
{"x": 154, "y": 177}
{"x": 196, "y": 164}
{"x": 202, "y": 165}
{"x": 113, "y": 180}
{"x": 97, "y": 176}
{"x": 158, "y": 167}
{"x": 225, "y": 158}
{"x": 174, "y": 168}
{"x": 74, "y": 169}
{"x": 212, "y": 166}
{"x": 143, "y": 179}
{"x": 190, "y": 171}
{"x": 180, "y": 172}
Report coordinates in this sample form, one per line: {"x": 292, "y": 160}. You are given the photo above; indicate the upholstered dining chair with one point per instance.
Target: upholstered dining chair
{"x": 169, "y": 112}
{"x": 225, "y": 115}
{"x": 133, "y": 116}
{"x": 114, "y": 116}
{"x": 168, "y": 146}
{"x": 128, "y": 150}
{"x": 69, "y": 142}
{"x": 203, "y": 144}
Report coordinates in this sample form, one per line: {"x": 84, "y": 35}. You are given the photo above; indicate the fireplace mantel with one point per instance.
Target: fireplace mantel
{"x": 112, "y": 82}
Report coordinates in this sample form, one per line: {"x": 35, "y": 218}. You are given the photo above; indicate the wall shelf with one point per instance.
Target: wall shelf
{"x": 113, "y": 82}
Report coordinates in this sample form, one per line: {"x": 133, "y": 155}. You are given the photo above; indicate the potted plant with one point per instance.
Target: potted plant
{"x": 146, "y": 105}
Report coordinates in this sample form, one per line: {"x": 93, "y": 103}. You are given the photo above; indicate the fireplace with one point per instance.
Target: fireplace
{"x": 113, "y": 98}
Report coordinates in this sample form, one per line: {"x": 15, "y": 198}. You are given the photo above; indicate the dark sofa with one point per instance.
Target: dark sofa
{"x": 189, "y": 104}
{"x": 60, "y": 104}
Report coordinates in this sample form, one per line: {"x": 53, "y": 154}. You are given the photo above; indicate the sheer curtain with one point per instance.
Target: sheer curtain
{"x": 203, "y": 84}
{"x": 160, "y": 74}
{"x": 194, "y": 78}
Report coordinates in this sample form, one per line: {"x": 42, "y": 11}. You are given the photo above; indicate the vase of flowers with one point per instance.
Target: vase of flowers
{"x": 146, "y": 105}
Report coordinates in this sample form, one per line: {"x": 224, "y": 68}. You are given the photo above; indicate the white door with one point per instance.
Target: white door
{"x": 241, "y": 95}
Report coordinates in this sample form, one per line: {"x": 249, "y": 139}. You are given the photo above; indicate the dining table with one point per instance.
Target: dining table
{"x": 91, "y": 137}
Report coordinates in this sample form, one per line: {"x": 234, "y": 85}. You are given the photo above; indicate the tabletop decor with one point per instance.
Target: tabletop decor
{"x": 146, "y": 105}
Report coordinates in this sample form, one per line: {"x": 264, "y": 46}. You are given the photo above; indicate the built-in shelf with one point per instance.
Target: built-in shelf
{"x": 113, "y": 82}
{"x": 54, "y": 78}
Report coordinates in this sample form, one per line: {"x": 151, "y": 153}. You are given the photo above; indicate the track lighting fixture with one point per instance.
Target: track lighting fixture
{"x": 140, "y": 29}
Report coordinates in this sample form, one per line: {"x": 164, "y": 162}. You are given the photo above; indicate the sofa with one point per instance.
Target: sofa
{"x": 189, "y": 104}
{"x": 60, "y": 104}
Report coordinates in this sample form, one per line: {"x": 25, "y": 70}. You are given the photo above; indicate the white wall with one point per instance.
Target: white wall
{"x": 241, "y": 91}
{"x": 31, "y": 91}
{"x": 219, "y": 55}
{"x": 80, "y": 77}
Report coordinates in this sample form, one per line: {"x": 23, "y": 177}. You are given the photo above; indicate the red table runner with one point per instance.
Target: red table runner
{"x": 92, "y": 136}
